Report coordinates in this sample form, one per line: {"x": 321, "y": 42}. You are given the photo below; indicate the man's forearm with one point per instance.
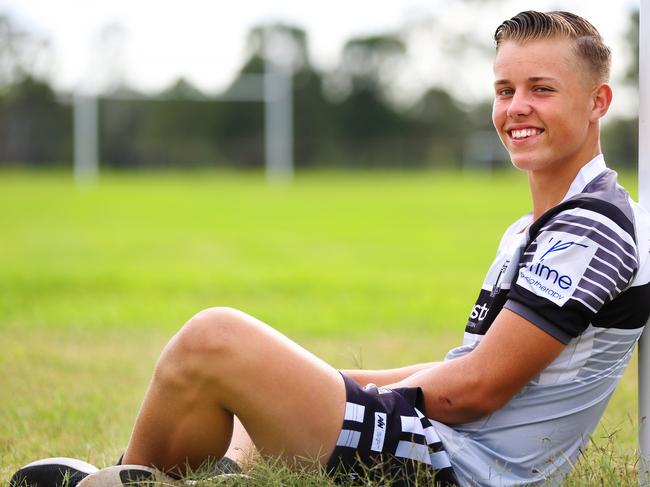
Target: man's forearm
{"x": 446, "y": 387}
{"x": 451, "y": 394}
{"x": 386, "y": 376}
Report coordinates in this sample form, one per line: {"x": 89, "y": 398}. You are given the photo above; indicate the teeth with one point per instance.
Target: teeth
{"x": 529, "y": 132}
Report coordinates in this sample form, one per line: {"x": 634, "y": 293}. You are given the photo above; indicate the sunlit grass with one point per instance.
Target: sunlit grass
{"x": 376, "y": 270}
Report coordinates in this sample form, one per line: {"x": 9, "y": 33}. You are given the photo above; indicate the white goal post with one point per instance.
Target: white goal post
{"x": 274, "y": 88}
{"x": 644, "y": 200}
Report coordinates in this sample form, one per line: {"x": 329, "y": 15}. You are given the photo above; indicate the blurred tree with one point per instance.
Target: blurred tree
{"x": 239, "y": 132}
{"x": 121, "y": 114}
{"x": 120, "y": 124}
{"x": 180, "y": 126}
{"x": 369, "y": 63}
{"x": 632, "y": 39}
{"x": 620, "y": 139}
{"x": 34, "y": 127}
{"x": 107, "y": 70}
{"x": 361, "y": 122}
{"x": 295, "y": 49}
{"x": 314, "y": 123}
{"x": 11, "y": 67}
{"x": 369, "y": 128}
{"x": 621, "y": 136}
{"x": 20, "y": 53}
{"x": 241, "y": 128}
{"x": 439, "y": 129}
{"x": 170, "y": 129}
{"x": 182, "y": 89}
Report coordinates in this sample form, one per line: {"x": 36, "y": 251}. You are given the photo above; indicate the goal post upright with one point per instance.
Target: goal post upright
{"x": 85, "y": 137}
{"x": 644, "y": 200}
{"x": 278, "y": 109}
{"x": 273, "y": 87}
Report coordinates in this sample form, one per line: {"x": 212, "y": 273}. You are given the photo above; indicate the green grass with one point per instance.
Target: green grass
{"x": 380, "y": 269}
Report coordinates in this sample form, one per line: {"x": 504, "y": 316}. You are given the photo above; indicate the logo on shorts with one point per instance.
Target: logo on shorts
{"x": 380, "y": 432}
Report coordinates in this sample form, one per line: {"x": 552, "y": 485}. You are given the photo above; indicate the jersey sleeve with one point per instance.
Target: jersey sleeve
{"x": 578, "y": 261}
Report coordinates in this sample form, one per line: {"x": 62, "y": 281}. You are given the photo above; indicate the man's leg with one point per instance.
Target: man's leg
{"x": 241, "y": 448}
{"x": 224, "y": 362}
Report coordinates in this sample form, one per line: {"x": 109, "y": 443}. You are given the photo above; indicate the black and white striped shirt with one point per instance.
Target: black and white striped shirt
{"x": 581, "y": 273}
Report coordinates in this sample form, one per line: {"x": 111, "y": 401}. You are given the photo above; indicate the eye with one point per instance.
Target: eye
{"x": 505, "y": 92}
{"x": 543, "y": 89}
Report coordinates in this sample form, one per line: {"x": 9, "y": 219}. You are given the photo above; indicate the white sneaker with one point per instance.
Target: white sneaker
{"x": 119, "y": 475}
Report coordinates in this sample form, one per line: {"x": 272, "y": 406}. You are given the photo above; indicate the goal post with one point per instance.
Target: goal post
{"x": 278, "y": 109}
{"x": 273, "y": 88}
{"x": 86, "y": 143}
{"x": 644, "y": 200}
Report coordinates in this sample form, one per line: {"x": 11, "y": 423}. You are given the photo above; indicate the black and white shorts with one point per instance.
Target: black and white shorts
{"x": 385, "y": 436}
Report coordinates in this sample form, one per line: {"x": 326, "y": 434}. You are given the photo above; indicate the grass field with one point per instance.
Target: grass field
{"x": 372, "y": 270}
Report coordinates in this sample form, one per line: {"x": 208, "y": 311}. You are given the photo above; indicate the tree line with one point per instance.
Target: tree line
{"x": 344, "y": 118}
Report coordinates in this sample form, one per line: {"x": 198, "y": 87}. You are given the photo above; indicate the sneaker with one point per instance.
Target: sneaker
{"x": 226, "y": 466}
{"x": 119, "y": 475}
{"x": 52, "y": 472}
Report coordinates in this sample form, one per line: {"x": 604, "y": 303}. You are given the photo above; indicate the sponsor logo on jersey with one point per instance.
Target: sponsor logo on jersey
{"x": 559, "y": 245}
{"x": 557, "y": 266}
{"x": 547, "y": 274}
{"x": 480, "y": 318}
{"x": 479, "y": 312}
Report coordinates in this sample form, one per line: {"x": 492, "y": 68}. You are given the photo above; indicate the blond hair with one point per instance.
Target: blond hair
{"x": 588, "y": 43}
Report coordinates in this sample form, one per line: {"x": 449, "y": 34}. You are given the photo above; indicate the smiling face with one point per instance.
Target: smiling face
{"x": 545, "y": 108}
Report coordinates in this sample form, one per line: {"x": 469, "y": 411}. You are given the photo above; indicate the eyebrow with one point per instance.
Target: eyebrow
{"x": 532, "y": 79}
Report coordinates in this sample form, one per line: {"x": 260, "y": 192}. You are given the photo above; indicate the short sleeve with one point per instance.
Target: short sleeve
{"x": 577, "y": 262}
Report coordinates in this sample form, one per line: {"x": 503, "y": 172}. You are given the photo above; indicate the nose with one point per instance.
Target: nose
{"x": 519, "y": 105}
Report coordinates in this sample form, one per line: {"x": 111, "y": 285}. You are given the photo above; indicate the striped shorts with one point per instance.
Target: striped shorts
{"x": 385, "y": 437}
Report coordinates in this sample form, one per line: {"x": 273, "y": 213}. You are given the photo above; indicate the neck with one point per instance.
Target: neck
{"x": 548, "y": 187}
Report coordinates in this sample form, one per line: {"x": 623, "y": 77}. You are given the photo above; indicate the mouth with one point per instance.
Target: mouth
{"x": 524, "y": 133}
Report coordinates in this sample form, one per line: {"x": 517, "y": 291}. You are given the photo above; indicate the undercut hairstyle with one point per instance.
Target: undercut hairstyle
{"x": 588, "y": 43}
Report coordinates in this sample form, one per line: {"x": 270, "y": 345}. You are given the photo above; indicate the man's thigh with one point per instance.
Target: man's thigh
{"x": 291, "y": 402}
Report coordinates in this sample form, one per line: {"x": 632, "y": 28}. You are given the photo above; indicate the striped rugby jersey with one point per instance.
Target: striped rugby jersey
{"x": 581, "y": 273}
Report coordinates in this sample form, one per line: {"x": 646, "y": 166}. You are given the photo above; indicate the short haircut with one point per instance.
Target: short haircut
{"x": 532, "y": 25}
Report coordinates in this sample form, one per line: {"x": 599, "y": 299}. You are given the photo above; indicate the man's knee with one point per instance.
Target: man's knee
{"x": 211, "y": 331}
{"x": 204, "y": 346}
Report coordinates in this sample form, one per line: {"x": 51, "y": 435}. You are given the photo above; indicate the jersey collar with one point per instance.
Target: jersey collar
{"x": 587, "y": 174}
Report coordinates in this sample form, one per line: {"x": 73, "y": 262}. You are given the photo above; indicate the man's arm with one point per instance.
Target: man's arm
{"x": 386, "y": 376}
{"x": 467, "y": 388}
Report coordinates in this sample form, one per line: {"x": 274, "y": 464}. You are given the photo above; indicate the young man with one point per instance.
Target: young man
{"x": 552, "y": 330}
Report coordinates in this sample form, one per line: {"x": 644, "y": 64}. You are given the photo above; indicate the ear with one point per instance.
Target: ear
{"x": 601, "y": 100}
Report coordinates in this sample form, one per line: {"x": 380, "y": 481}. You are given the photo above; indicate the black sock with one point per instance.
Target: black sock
{"x": 226, "y": 465}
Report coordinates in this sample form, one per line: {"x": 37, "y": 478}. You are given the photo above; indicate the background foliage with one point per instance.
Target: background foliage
{"x": 351, "y": 116}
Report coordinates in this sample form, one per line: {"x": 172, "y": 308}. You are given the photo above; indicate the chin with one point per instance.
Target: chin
{"x": 522, "y": 163}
